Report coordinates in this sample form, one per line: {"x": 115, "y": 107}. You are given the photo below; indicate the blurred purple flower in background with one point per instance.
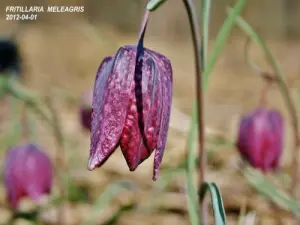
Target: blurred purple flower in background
{"x": 28, "y": 172}
{"x": 131, "y": 106}
{"x": 86, "y": 109}
{"x": 260, "y": 138}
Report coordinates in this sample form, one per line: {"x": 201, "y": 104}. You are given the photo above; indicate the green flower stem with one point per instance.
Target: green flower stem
{"x": 196, "y": 38}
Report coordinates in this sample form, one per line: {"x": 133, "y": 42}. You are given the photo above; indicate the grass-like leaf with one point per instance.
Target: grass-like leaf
{"x": 217, "y": 202}
{"x": 192, "y": 200}
{"x": 259, "y": 41}
{"x": 269, "y": 190}
{"x": 219, "y": 44}
{"x": 155, "y": 4}
{"x": 114, "y": 218}
{"x": 106, "y": 197}
{"x": 3, "y": 84}
{"x": 221, "y": 39}
{"x": 166, "y": 176}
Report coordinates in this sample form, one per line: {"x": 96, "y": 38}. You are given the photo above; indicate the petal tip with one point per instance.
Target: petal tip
{"x": 155, "y": 174}
{"x": 132, "y": 168}
{"x": 93, "y": 163}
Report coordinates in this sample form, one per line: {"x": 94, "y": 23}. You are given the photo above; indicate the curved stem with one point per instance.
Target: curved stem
{"x": 25, "y": 124}
{"x": 264, "y": 92}
{"x": 196, "y": 38}
{"x": 59, "y": 159}
{"x": 252, "y": 66}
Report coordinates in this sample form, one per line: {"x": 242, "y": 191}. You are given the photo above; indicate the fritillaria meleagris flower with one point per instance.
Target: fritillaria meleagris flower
{"x": 131, "y": 106}
{"x": 86, "y": 109}
{"x": 260, "y": 138}
{"x": 27, "y": 173}
{"x": 10, "y": 60}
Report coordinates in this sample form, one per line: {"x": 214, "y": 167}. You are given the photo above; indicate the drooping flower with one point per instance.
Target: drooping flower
{"x": 86, "y": 110}
{"x": 131, "y": 106}
{"x": 260, "y": 138}
{"x": 27, "y": 173}
{"x": 10, "y": 59}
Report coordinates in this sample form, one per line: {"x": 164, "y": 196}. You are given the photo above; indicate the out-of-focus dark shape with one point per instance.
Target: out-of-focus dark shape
{"x": 10, "y": 59}
{"x": 260, "y": 138}
{"x": 28, "y": 172}
{"x": 86, "y": 109}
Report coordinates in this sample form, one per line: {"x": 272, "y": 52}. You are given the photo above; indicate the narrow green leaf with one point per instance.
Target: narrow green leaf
{"x": 30, "y": 98}
{"x": 3, "y": 84}
{"x": 218, "y": 46}
{"x": 259, "y": 41}
{"x": 217, "y": 202}
{"x": 206, "y": 5}
{"x": 192, "y": 200}
{"x": 13, "y": 129}
{"x": 106, "y": 197}
{"x": 114, "y": 218}
{"x": 270, "y": 191}
{"x": 154, "y": 4}
{"x": 221, "y": 39}
{"x": 166, "y": 176}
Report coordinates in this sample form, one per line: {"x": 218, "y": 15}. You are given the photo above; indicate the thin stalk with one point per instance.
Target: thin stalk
{"x": 143, "y": 26}
{"x": 59, "y": 159}
{"x": 25, "y": 124}
{"x": 196, "y": 39}
{"x": 264, "y": 93}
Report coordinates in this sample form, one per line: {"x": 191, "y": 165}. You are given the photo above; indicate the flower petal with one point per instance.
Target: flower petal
{"x": 166, "y": 98}
{"x": 140, "y": 134}
{"x": 112, "y": 88}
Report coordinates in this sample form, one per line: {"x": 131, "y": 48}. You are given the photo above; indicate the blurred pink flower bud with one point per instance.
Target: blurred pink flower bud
{"x": 86, "y": 109}
{"x": 260, "y": 138}
{"x": 131, "y": 106}
{"x": 27, "y": 172}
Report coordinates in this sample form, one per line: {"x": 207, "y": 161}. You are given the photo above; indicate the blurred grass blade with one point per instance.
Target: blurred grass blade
{"x": 106, "y": 197}
{"x": 217, "y": 202}
{"x": 206, "y": 5}
{"x": 241, "y": 219}
{"x": 192, "y": 200}
{"x": 221, "y": 39}
{"x": 166, "y": 176}
{"x": 218, "y": 46}
{"x": 13, "y": 129}
{"x": 3, "y": 84}
{"x": 154, "y": 4}
{"x": 259, "y": 41}
{"x": 30, "y": 98}
{"x": 114, "y": 218}
{"x": 269, "y": 190}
